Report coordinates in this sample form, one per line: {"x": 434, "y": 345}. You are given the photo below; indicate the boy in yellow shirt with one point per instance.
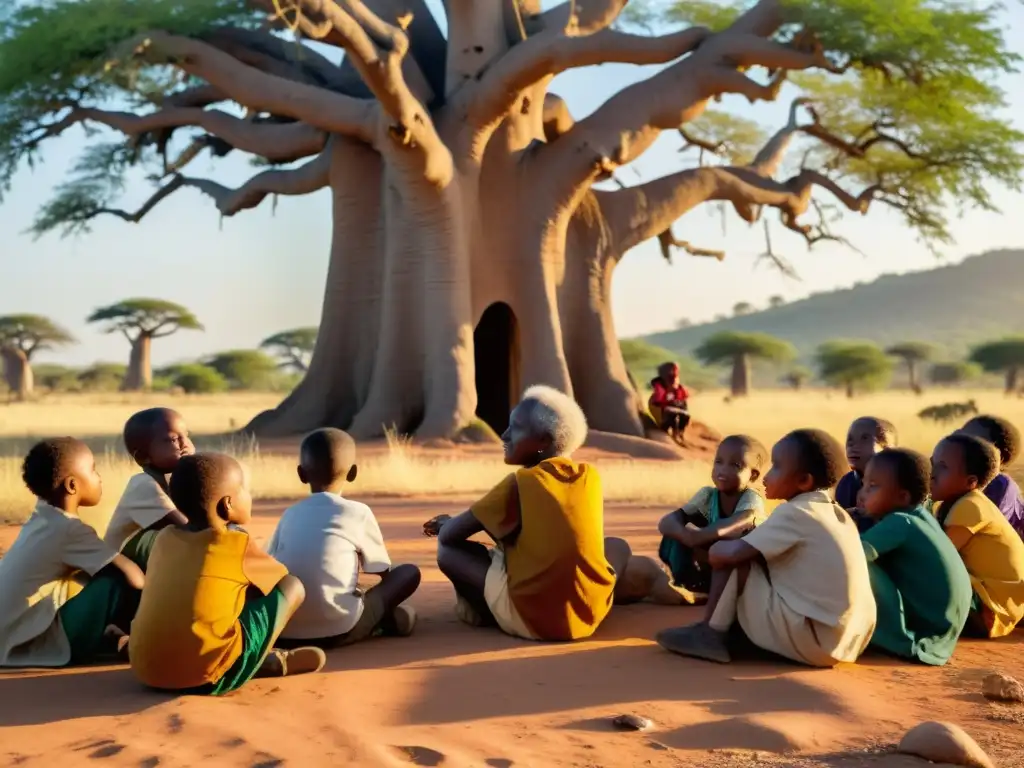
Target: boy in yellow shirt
{"x": 215, "y": 602}
{"x": 962, "y": 466}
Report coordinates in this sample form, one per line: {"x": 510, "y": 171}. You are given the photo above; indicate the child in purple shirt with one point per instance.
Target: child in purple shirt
{"x": 1003, "y": 491}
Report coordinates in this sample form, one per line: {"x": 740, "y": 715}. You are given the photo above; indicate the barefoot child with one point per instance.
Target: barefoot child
{"x": 726, "y": 510}
{"x": 325, "y": 541}
{"x": 920, "y": 584}
{"x": 552, "y": 573}
{"x": 214, "y": 602}
{"x": 798, "y": 583}
{"x": 39, "y": 625}
{"x": 866, "y": 437}
{"x": 1003, "y": 491}
{"x": 992, "y": 551}
{"x": 156, "y": 439}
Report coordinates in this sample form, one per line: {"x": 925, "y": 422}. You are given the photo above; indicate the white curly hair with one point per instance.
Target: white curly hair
{"x": 556, "y": 415}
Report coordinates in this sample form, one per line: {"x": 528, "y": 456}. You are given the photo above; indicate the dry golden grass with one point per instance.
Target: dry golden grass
{"x": 405, "y": 470}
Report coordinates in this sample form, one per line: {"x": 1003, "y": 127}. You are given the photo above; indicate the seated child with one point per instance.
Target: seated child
{"x": 214, "y": 602}
{"x": 920, "y": 584}
{"x": 667, "y": 403}
{"x": 1003, "y": 491}
{"x": 726, "y": 510}
{"x": 866, "y": 437}
{"x": 552, "y": 574}
{"x": 156, "y": 440}
{"x": 40, "y": 626}
{"x": 325, "y": 540}
{"x": 992, "y": 551}
{"x": 797, "y": 584}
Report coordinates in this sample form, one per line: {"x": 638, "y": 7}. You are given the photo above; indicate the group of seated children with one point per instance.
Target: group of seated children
{"x": 180, "y": 586}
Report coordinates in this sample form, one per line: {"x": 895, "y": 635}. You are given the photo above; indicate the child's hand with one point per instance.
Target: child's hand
{"x": 433, "y": 526}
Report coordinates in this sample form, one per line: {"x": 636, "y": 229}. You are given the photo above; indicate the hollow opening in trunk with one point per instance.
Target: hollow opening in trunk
{"x": 496, "y": 352}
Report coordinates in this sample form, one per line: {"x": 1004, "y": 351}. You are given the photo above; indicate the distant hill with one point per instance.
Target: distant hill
{"x": 953, "y": 307}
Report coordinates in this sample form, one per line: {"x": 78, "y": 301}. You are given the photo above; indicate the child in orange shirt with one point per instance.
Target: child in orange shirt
{"x": 215, "y": 602}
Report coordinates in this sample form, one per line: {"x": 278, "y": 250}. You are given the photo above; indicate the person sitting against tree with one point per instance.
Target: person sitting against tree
{"x": 551, "y": 574}
{"x": 797, "y": 584}
{"x": 921, "y": 587}
{"x": 668, "y": 401}
{"x": 867, "y": 436}
{"x": 156, "y": 439}
{"x": 726, "y": 510}
{"x": 992, "y": 551}
{"x": 1003, "y": 491}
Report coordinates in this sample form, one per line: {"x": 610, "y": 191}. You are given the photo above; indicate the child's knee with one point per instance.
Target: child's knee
{"x": 408, "y": 574}
{"x": 292, "y": 589}
{"x": 617, "y": 551}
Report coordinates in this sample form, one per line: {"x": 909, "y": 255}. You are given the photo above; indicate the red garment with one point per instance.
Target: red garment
{"x": 663, "y": 395}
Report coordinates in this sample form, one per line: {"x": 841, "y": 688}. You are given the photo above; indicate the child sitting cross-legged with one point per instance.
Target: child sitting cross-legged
{"x": 726, "y": 510}
{"x": 40, "y": 626}
{"x": 992, "y": 551}
{"x": 867, "y": 436}
{"x": 156, "y": 439}
{"x": 214, "y": 602}
{"x": 1002, "y": 491}
{"x": 325, "y": 540}
{"x": 920, "y": 584}
{"x": 797, "y": 584}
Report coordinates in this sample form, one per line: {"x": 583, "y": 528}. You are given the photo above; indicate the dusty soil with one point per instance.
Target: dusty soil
{"x": 455, "y": 696}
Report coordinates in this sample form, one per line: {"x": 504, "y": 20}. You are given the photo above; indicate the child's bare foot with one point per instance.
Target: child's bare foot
{"x": 404, "y": 618}
{"x": 300, "y": 661}
{"x": 467, "y": 614}
{"x": 433, "y": 526}
{"x": 118, "y": 639}
{"x": 697, "y": 640}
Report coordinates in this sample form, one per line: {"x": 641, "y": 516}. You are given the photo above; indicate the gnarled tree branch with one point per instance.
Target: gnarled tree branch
{"x": 667, "y": 241}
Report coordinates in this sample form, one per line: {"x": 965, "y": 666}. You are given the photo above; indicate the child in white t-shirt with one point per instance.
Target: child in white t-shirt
{"x": 326, "y": 540}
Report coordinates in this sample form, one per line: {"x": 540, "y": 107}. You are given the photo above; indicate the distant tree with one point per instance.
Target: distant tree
{"x": 797, "y": 377}
{"x": 199, "y": 379}
{"x": 642, "y": 360}
{"x": 857, "y": 366}
{"x": 738, "y": 349}
{"x": 294, "y": 348}
{"x": 721, "y": 318}
{"x": 246, "y": 369}
{"x": 742, "y": 308}
{"x": 141, "y": 321}
{"x": 1005, "y": 356}
{"x": 103, "y": 377}
{"x": 913, "y": 353}
{"x": 56, "y": 378}
{"x": 21, "y": 336}
{"x": 683, "y": 323}
{"x": 776, "y": 301}
{"x": 952, "y": 374}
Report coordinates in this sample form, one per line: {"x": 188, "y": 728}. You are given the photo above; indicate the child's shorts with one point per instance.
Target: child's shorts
{"x": 374, "y": 614}
{"x": 107, "y": 599}
{"x": 500, "y": 602}
{"x": 258, "y": 619}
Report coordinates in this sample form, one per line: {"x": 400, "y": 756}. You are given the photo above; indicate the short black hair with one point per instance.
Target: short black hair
{"x": 913, "y": 471}
{"x": 981, "y": 458}
{"x": 199, "y": 481}
{"x": 138, "y": 430}
{"x": 327, "y": 454}
{"x": 1001, "y": 433}
{"x": 821, "y": 456}
{"x": 48, "y": 464}
{"x": 885, "y": 431}
{"x": 753, "y": 446}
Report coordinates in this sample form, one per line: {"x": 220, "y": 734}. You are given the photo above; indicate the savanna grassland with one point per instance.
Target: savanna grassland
{"x": 398, "y": 468}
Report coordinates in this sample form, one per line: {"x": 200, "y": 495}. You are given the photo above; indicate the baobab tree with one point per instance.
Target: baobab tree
{"x": 913, "y": 353}
{"x": 856, "y": 366}
{"x": 21, "y": 336}
{"x": 1005, "y": 356}
{"x": 294, "y": 347}
{"x": 474, "y": 241}
{"x": 141, "y": 321}
{"x": 738, "y": 349}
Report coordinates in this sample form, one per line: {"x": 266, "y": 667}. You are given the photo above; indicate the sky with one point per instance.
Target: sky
{"x": 263, "y": 271}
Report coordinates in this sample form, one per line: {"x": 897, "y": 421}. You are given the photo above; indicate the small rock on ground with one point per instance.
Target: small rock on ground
{"x": 632, "y": 723}
{"x": 1000, "y": 687}
{"x": 944, "y": 743}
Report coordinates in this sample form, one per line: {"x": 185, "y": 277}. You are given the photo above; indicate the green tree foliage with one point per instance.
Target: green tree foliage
{"x": 32, "y": 333}
{"x": 199, "y": 379}
{"x": 737, "y": 349}
{"x": 642, "y": 361}
{"x": 293, "y": 348}
{"x": 155, "y": 318}
{"x": 247, "y": 369}
{"x": 856, "y": 366}
{"x": 1005, "y": 356}
{"x": 776, "y": 301}
{"x": 56, "y": 378}
{"x": 955, "y": 373}
{"x": 913, "y": 353}
{"x": 743, "y": 308}
{"x": 797, "y": 377}
{"x": 102, "y": 377}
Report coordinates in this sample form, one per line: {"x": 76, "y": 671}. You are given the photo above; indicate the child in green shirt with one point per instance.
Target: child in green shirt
{"x": 921, "y": 587}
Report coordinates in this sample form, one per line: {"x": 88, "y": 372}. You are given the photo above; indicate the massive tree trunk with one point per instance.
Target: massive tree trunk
{"x": 1012, "y": 375}
{"x": 139, "y": 377}
{"x": 740, "y": 382}
{"x": 17, "y": 372}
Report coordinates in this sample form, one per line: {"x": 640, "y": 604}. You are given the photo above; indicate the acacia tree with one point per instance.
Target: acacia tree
{"x": 428, "y": 145}
{"x": 21, "y": 336}
{"x": 913, "y": 353}
{"x": 141, "y": 321}
{"x": 246, "y": 368}
{"x": 856, "y": 366}
{"x": 742, "y": 308}
{"x": 738, "y": 349}
{"x": 294, "y": 347}
{"x": 796, "y": 378}
{"x": 951, "y": 374}
{"x": 1005, "y": 356}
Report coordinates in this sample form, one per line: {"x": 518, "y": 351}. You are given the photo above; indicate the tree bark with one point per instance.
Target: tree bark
{"x": 139, "y": 377}
{"x": 915, "y": 385}
{"x": 17, "y": 372}
{"x": 850, "y": 390}
{"x": 741, "y": 376}
{"x": 1012, "y": 375}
